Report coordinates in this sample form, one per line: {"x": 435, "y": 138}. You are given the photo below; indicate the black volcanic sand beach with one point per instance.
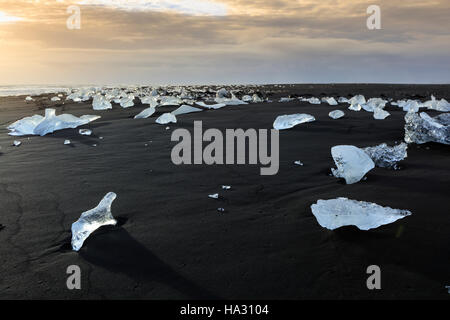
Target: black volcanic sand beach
{"x": 172, "y": 243}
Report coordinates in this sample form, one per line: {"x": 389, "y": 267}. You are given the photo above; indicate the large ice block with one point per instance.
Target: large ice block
{"x": 289, "y": 121}
{"x": 423, "y": 128}
{"x": 352, "y": 163}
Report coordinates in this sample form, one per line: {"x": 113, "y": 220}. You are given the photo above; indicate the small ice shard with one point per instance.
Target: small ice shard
{"x": 355, "y": 107}
{"x": 423, "y": 128}
{"x": 286, "y": 99}
{"x": 16, "y": 143}
{"x": 226, "y": 187}
{"x": 214, "y": 196}
{"x": 342, "y": 100}
{"x": 352, "y": 163}
{"x": 330, "y": 100}
{"x": 336, "y": 114}
{"x": 166, "y": 118}
{"x": 38, "y": 125}
{"x": 298, "y": 163}
{"x": 336, "y": 213}
{"x": 358, "y": 99}
{"x": 127, "y": 101}
{"x": 92, "y": 220}
{"x": 291, "y": 120}
{"x": 28, "y": 98}
{"x": 144, "y": 114}
{"x": 184, "y": 109}
{"x": 167, "y": 128}
{"x": 387, "y": 157}
{"x": 380, "y": 114}
{"x": 54, "y": 99}
{"x": 101, "y": 103}
{"x": 211, "y": 106}
{"x": 313, "y": 100}
{"x": 66, "y": 142}
{"x": 223, "y": 210}
{"x": 85, "y": 132}
{"x": 150, "y": 100}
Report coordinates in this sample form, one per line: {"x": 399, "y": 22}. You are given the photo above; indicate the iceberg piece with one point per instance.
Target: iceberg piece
{"x": 101, "y": 103}
{"x": 233, "y": 101}
{"x": 16, "y": 143}
{"x": 285, "y": 99}
{"x": 313, "y": 100}
{"x": 127, "y": 101}
{"x": 222, "y": 93}
{"x": 166, "y": 118}
{"x": 211, "y": 106}
{"x": 184, "y": 109}
{"x": 291, "y": 120}
{"x": 343, "y": 100}
{"x": 387, "y": 157}
{"x": 38, "y": 125}
{"x": 358, "y": 99}
{"x": 441, "y": 105}
{"x": 423, "y": 128}
{"x": 330, "y": 100}
{"x": 352, "y": 163}
{"x": 247, "y": 98}
{"x": 67, "y": 142}
{"x": 257, "y": 99}
{"x": 85, "y": 132}
{"x": 92, "y": 220}
{"x": 226, "y": 187}
{"x": 336, "y": 114}
{"x": 151, "y": 100}
{"x": 28, "y": 98}
{"x": 355, "y": 107}
{"x": 54, "y": 99}
{"x": 144, "y": 114}
{"x": 170, "y": 101}
{"x": 298, "y": 163}
{"x": 214, "y": 196}
{"x": 380, "y": 114}
{"x": 336, "y": 213}
{"x": 373, "y": 103}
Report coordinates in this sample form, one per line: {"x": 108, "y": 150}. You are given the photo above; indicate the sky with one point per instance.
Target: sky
{"x": 157, "y": 42}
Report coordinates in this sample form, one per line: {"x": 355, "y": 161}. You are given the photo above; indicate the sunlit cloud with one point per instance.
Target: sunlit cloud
{"x": 189, "y": 7}
{"x": 5, "y": 18}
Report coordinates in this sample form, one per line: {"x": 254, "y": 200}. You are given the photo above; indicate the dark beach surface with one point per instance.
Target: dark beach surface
{"x": 172, "y": 243}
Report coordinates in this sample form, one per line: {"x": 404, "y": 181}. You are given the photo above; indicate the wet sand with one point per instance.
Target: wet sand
{"x": 172, "y": 243}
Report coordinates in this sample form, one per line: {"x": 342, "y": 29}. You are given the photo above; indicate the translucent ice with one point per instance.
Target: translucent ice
{"x": 352, "y": 163}
{"x": 222, "y": 93}
{"x": 423, "y": 128}
{"x": 441, "y": 105}
{"x": 16, "y": 143}
{"x": 85, "y": 132}
{"x": 54, "y": 99}
{"x": 166, "y": 118}
{"x": 184, "y": 109}
{"x": 313, "y": 100}
{"x": 150, "y": 100}
{"x": 211, "y": 106}
{"x": 214, "y": 196}
{"x": 387, "y": 157}
{"x": 92, "y": 220}
{"x": 335, "y": 213}
{"x": 291, "y": 120}
{"x": 355, "y": 107}
{"x": 331, "y": 101}
{"x": 359, "y": 99}
{"x": 336, "y": 114}
{"x": 38, "y": 125}
{"x": 101, "y": 103}
{"x": 127, "y": 101}
{"x": 144, "y": 114}
{"x": 380, "y": 114}
{"x": 66, "y": 142}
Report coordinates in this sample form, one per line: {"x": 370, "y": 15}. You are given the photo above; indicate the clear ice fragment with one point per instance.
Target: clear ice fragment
{"x": 336, "y": 114}
{"x": 184, "y": 109}
{"x": 291, "y": 120}
{"x": 387, "y": 157}
{"x": 335, "y": 213}
{"x": 352, "y": 163}
{"x": 144, "y": 114}
{"x": 423, "y": 128}
{"x": 166, "y": 118}
{"x": 92, "y": 220}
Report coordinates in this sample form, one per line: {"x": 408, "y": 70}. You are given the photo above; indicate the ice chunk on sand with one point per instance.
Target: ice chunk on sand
{"x": 387, "y": 157}
{"x": 441, "y": 105}
{"x": 16, "y": 143}
{"x": 335, "y": 213}
{"x": 211, "y": 106}
{"x": 214, "y": 196}
{"x": 330, "y": 100}
{"x": 222, "y": 93}
{"x": 66, "y": 142}
{"x": 233, "y": 101}
{"x": 298, "y": 163}
{"x": 101, "y": 103}
{"x": 38, "y": 125}
{"x": 85, "y": 132}
{"x": 336, "y": 114}
{"x": 226, "y": 187}
{"x": 92, "y": 220}
{"x": 54, "y": 99}
{"x": 166, "y": 118}
{"x": 422, "y": 128}
{"x": 149, "y": 100}
{"x": 127, "y": 101}
{"x": 28, "y": 98}
{"x": 144, "y": 114}
{"x": 380, "y": 114}
{"x": 291, "y": 120}
{"x": 358, "y": 99}
{"x": 355, "y": 107}
{"x": 184, "y": 109}
{"x": 313, "y": 100}
{"x": 352, "y": 163}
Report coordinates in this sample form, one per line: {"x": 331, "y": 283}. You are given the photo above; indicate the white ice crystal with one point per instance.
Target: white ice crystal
{"x": 144, "y": 114}
{"x": 352, "y": 163}
{"x": 166, "y": 118}
{"x": 423, "y": 128}
{"x": 336, "y": 114}
{"x": 85, "y": 132}
{"x": 39, "y": 125}
{"x": 335, "y": 213}
{"x": 184, "y": 109}
{"x": 101, "y": 103}
{"x": 92, "y": 220}
{"x": 289, "y": 121}
{"x": 380, "y": 114}
{"x": 330, "y": 100}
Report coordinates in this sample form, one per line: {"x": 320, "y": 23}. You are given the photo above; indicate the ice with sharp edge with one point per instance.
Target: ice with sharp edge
{"x": 289, "y": 121}
{"x": 352, "y": 163}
